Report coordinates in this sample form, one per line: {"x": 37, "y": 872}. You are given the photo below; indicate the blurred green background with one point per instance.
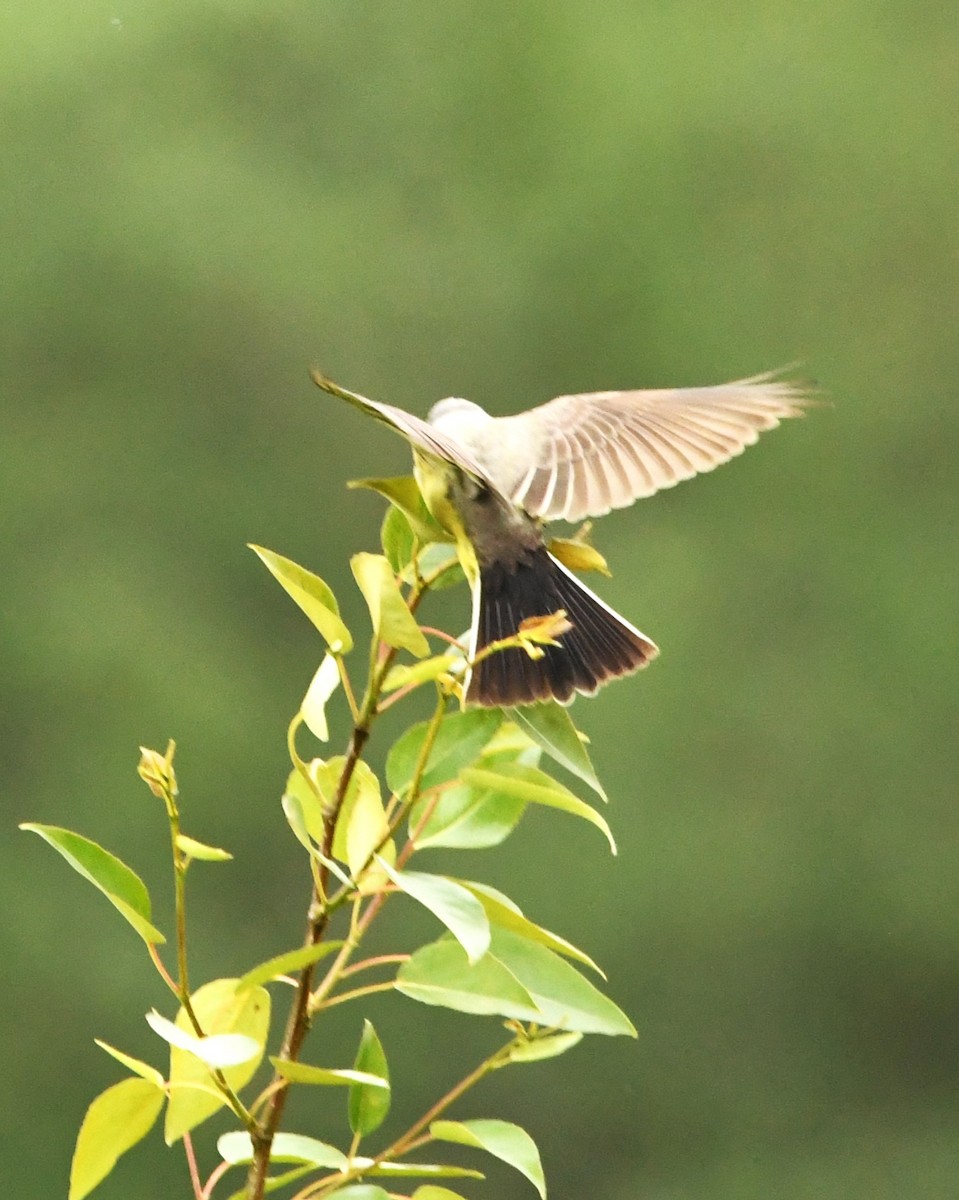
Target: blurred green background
{"x": 504, "y": 201}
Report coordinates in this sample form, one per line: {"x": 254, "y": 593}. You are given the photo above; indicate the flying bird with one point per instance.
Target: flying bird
{"x": 492, "y": 483}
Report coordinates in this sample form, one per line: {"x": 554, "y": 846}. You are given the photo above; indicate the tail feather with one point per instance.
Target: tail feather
{"x": 600, "y": 646}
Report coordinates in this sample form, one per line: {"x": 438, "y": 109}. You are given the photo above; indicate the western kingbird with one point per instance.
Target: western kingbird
{"x": 491, "y": 483}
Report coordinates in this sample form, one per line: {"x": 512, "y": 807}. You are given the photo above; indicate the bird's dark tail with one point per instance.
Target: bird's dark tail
{"x": 600, "y": 646}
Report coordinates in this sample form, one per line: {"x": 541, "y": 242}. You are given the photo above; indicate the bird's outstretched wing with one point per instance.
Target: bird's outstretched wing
{"x": 418, "y": 433}
{"x": 589, "y": 453}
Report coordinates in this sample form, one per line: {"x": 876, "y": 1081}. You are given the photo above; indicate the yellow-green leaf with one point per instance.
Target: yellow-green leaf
{"x": 138, "y": 1067}
{"x": 194, "y": 849}
{"x": 368, "y": 1106}
{"x": 502, "y": 1139}
{"x": 237, "y": 1147}
{"x": 362, "y": 825}
{"x": 413, "y": 1170}
{"x": 297, "y": 1072}
{"x": 392, "y": 620}
{"x": 403, "y": 493}
{"x": 306, "y": 817}
{"x": 359, "y": 1191}
{"x": 425, "y": 671}
{"x": 535, "y": 787}
{"x": 578, "y": 556}
{"x": 563, "y": 997}
{"x": 220, "y": 1008}
{"x": 551, "y": 727}
{"x": 324, "y": 683}
{"x": 461, "y": 737}
{"x": 440, "y": 974}
{"x": 458, "y": 908}
{"x": 432, "y": 1191}
{"x": 374, "y": 878}
{"x": 502, "y": 912}
{"x": 125, "y": 890}
{"x": 216, "y": 1049}
{"x": 437, "y": 563}
{"x": 312, "y": 595}
{"x": 396, "y": 538}
{"x": 538, "y": 1049}
{"x": 116, "y": 1120}
{"x": 285, "y": 964}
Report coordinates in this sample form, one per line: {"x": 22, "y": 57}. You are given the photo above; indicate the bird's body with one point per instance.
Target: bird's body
{"x": 491, "y": 483}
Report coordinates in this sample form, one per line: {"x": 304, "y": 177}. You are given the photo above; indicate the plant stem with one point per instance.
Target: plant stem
{"x": 181, "y": 986}
{"x": 415, "y": 1136}
{"x": 298, "y": 1021}
{"x": 379, "y": 961}
{"x": 368, "y": 990}
{"x": 403, "y": 1143}
{"x": 191, "y": 1163}
{"x": 214, "y": 1178}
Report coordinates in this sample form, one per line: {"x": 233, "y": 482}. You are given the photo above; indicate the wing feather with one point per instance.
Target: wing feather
{"x": 603, "y": 450}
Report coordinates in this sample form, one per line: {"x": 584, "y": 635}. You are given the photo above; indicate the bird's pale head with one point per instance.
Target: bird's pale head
{"x": 454, "y": 414}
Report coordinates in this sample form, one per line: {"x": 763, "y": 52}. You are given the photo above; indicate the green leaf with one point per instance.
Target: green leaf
{"x": 217, "y": 1050}
{"x": 536, "y": 787}
{"x": 460, "y": 739}
{"x": 368, "y": 1106}
{"x": 312, "y": 595}
{"x": 411, "y": 1170}
{"x": 437, "y": 562}
{"x": 116, "y": 1120}
{"x": 550, "y": 725}
{"x": 578, "y": 555}
{"x": 304, "y": 815}
{"x": 503, "y": 913}
{"x": 512, "y": 744}
{"x": 359, "y": 1191}
{"x": 144, "y": 1070}
{"x": 431, "y": 1191}
{"x": 125, "y": 890}
{"x": 538, "y": 1049}
{"x": 362, "y": 826}
{"x": 322, "y": 686}
{"x": 466, "y": 818}
{"x": 403, "y": 493}
{"x": 392, "y": 620}
{"x": 396, "y": 538}
{"x": 457, "y": 908}
{"x": 286, "y": 964}
{"x": 441, "y": 974}
{"x": 563, "y": 997}
{"x": 517, "y": 978}
{"x": 220, "y": 1008}
{"x": 194, "y": 849}
{"x": 302, "y": 809}
{"x": 297, "y": 1072}
{"x": 236, "y": 1147}
{"x": 502, "y": 1139}
{"x": 424, "y": 671}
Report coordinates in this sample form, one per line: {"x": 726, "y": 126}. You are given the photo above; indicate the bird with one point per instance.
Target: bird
{"x": 492, "y": 483}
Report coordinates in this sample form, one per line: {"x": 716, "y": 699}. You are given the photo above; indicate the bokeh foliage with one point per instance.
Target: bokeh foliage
{"x": 505, "y": 201}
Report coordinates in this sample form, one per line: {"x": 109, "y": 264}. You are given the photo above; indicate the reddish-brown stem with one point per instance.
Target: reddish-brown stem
{"x": 299, "y": 1019}
{"x": 194, "y": 1170}
{"x": 214, "y": 1178}
{"x": 367, "y": 963}
{"x": 164, "y": 973}
{"x": 369, "y": 990}
{"x": 298, "y": 1022}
